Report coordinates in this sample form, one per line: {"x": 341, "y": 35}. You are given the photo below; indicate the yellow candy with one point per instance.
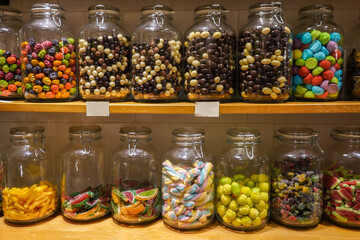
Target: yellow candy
{"x": 297, "y": 54}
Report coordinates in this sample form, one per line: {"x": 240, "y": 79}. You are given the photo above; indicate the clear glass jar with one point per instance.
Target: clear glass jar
{"x": 265, "y": 44}
{"x": 48, "y": 55}
{"x": 188, "y": 181}
{"x": 296, "y": 178}
{"x": 156, "y": 56}
{"x": 10, "y": 65}
{"x": 242, "y": 191}
{"x": 30, "y": 177}
{"x": 353, "y": 64}
{"x": 104, "y": 51}
{"x": 342, "y": 178}
{"x": 210, "y": 56}
{"x": 136, "y": 196}
{"x": 317, "y": 54}
{"x": 85, "y": 195}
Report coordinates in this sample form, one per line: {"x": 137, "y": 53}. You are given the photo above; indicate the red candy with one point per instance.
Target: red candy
{"x": 308, "y": 79}
{"x": 316, "y": 80}
{"x": 337, "y": 54}
{"x": 304, "y": 46}
{"x": 303, "y": 71}
{"x": 323, "y": 96}
{"x": 325, "y": 64}
{"x": 328, "y": 75}
{"x": 337, "y": 66}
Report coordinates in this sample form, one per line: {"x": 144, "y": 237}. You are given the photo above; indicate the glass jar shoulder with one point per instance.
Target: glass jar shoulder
{"x": 243, "y": 153}
{"x": 151, "y": 29}
{"x": 307, "y": 25}
{"x": 259, "y": 23}
{"x": 210, "y": 26}
{"x": 133, "y": 153}
{"x": 188, "y": 155}
{"x": 346, "y": 154}
{"x": 92, "y": 29}
{"x": 284, "y": 151}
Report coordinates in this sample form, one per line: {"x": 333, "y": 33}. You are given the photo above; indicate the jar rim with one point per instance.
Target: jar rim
{"x": 159, "y": 8}
{"x": 323, "y": 8}
{"x": 85, "y": 129}
{"x": 108, "y": 9}
{"x": 268, "y": 6}
{"x": 47, "y": 7}
{"x": 10, "y": 12}
{"x": 244, "y": 134}
{"x": 27, "y": 130}
{"x": 296, "y": 133}
{"x": 205, "y": 9}
{"x": 346, "y": 134}
{"x": 188, "y": 132}
{"x": 140, "y": 131}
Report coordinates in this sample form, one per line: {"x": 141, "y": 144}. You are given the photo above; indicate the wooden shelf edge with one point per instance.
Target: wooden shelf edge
{"x": 188, "y": 108}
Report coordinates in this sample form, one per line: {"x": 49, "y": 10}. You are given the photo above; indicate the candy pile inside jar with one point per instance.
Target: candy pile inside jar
{"x": 86, "y": 205}
{"x": 156, "y": 69}
{"x": 188, "y": 194}
{"x": 296, "y": 192}
{"x": 136, "y": 201}
{"x": 264, "y": 63}
{"x": 209, "y": 68}
{"x": 104, "y": 68}
{"x": 243, "y": 202}
{"x": 10, "y": 75}
{"x": 49, "y": 69}
{"x": 355, "y": 74}
{"x": 342, "y": 195}
{"x": 30, "y": 203}
{"x": 317, "y": 72}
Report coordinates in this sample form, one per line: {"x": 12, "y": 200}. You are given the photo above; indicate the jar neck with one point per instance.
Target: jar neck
{"x": 318, "y": 17}
{"x": 157, "y": 18}
{"x": 11, "y": 20}
{"x": 242, "y": 143}
{"x": 106, "y": 18}
{"x": 216, "y": 18}
{"x": 26, "y": 140}
{"x": 84, "y": 138}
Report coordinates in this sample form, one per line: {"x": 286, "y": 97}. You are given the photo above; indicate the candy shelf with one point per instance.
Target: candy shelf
{"x": 188, "y": 108}
{"x": 57, "y": 228}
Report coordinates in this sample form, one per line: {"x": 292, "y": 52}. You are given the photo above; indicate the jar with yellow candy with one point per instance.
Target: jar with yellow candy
{"x": 30, "y": 175}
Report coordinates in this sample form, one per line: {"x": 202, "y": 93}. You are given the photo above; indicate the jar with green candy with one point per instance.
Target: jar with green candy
{"x": 242, "y": 186}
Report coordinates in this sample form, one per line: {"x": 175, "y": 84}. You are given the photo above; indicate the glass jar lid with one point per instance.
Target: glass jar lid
{"x": 91, "y": 132}
{"x": 107, "y": 9}
{"x": 27, "y": 133}
{"x": 189, "y": 134}
{"x": 316, "y": 9}
{"x": 346, "y": 134}
{"x": 47, "y": 8}
{"x": 157, "y": 9}
{"x": 138, "y": 133}
{"x": 296, "y": 134}
{"x": 261, "y": 8}
{"x": 243, "y": 135}
{"x": 10, "y": 13}
{"x": 208, "y": 9}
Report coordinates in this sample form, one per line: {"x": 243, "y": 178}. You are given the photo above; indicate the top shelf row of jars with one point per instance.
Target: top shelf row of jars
{"x": 156, "y": 64}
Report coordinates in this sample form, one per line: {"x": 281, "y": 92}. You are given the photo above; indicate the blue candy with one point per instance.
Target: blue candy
{"x": 307, "y": 53}
{"x": 319, "y": 56}
{"x": 340, "y": 85}
{"x": 340, "y": 79}
{"x": 336, "y": 37}
{"x": 306, "y": 38}
{"x": 315, "y": 46}
{"x": 325, "y": 51}
{"x": 338, "y": 74}
{"x": 299, "y": 35}
{"x": 294, "y": 87}
{"x": 317, "y": 90}
{"x": 308, "y": 86}
{"x": 297, "y": 80}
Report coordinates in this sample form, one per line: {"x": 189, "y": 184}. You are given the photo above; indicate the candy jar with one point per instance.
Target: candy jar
{"x": 210, "y": 56}
{"x": 48, "y": 55}
{"x": 242, "y": 187}
{"x": 1, "y": 182}
{"x": 296, "y": 178}
{"x": 317, "y": 55}
{"x": 84, "y": 193}
{"x": 10, "y": 66}
{"x": 156, "y": 56}
{"x": 30, "y": 193}
{"x": 103, "y": 56}
{"x": 265, "y": 44}
{"x": 353, "y": 64}
{"x": 342, "y": 178}
{"x": 188, "y": 181}
{"x": 135, "y": 195}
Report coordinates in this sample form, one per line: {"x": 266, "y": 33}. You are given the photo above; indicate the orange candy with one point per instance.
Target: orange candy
{"x": 57, "y": 63}
{"x": 64, "y": 50}
{"x": 58, "y": 56}
{"x": 55, "y": 88}
{"x": 62, "y": 68}
{"x": 24, "y": 44}
{"x": 50, "y": 95}
{"x": 42, "y": 95}
{"x": 39, "y": 76}
{"x": 5, "y": 93}
{"x": 68, "y": 86}
{"x": 65, "y": 76}
{"x": 65, "y": 95}
{"x": 12, "y": 87}
{"x": 11, "y": 60}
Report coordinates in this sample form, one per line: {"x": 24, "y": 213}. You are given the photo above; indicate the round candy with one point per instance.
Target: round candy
{"x": 297, "y": 80}
{"x": 324, "y": 85}
{"x": 309, "y": 94}
{"x": 336, "y": 54}
{"x": 307, "y": 79}
{"x": 317, "y": 71}
{"x": 328, "y": 75}
{"x": 311, "y": 63}
{"x": 331, "y": 59}
{"x": 324, "y": 38}
{"x": 315, "y": 34}
{"x": 336, "y": 37}
{"x": 340, "y": 61}
{"x": 308, "y": 86}
{"x": 333, "y": 88}
{"x": 325, "y": 64}
{"x": 306, "y": 54}
{"x": 316, "y": 80}
{"x": 317, "y": 90}
{"x": 315, "y": 46}
{"x": 304, "y": 71}
{"x": 332, "y": 46}
{"x": 319, "y": 56}
{"x": 306, "y": 38}
{"x": 297, "y": 54}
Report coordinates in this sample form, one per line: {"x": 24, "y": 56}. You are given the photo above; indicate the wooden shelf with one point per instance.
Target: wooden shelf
{"x": 188, "y": 108}
{"x": 59, "y": 229}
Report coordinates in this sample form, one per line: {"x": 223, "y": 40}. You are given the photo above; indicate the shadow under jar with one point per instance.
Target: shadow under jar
{"x": 10, "y": 65}
{"x": 296, "y": 178}
{"x": 85, "y": 196}
{"x": 188, "y": 181}
{"x": 30, "y": 177}
{"x": 317, "y": 55}
{"x": 265, "y": 44}
{"x": 342, "y": 178}
{"x": 136, "y": 196}
{"x": 156, "y": 56}
{"x": 104, "y": 53}
{"x": 48, "y": 55}
{"x": 242, "y": 190}
{"x": 210, "y": 56}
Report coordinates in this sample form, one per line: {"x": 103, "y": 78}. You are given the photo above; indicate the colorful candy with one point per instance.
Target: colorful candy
{"x": 354, "y": 72}
{"x": 317, "y": 73}
{"x": 188, "y": 194}
{"x": 10, "y": 75}
{"x": 49, "y": 69}
{"x": 243, "y": 203}
{"x": 86, "y": 205}
{"x": 342, "y": 195}
{"x": 135, "y": 201}
{"x": 30, "y": 203}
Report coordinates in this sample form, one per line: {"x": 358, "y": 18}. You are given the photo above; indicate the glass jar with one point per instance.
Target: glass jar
{"x": 136, "y": 178}
{"x": 317, "y": 55}
{"x": 103, "y": 56}
{"x": 265, "y": 44}
{"x": 84, "y": 193}
{"x": 48, "y": 55}
{"x": 10, "y": 65}
{"x": 210, "y": 56}
{"x": 188, "y": 181}
{"x": 30, "y": 177}
{"x": 242, "y": 174}
{"x": 296, "y": 178}
{"x": 156, "y": 56}
{"x": 342, "y": 178}
{"x": 353, "y": 64}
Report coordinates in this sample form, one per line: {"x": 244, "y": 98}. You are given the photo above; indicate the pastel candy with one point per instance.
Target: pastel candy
{"x": 317, "y": 90}
{"x": 333, "y": 69}
{"x": 311, "y": 63}
{"x": 324, "y": 85}
{"x": 331, "y": 46}
{"x": 306, "y": 38}
{"x": 307, "y": 54}
{"x": 297, "y": 80}
{"x": 336, "y": 37}
{"x": 315, "y": 34}
{"x": 324, "y": 38}
{"x": 315, "y": 46}
{"x": 333, "y": 88}
{"x": 319, "y": 56}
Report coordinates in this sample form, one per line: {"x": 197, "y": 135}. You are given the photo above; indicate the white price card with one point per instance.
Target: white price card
{"x": 207, "y": 109}
{"x": 97, "y": 109}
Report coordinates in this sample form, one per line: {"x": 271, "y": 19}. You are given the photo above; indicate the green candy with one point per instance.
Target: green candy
{"x": 311, "y": 63}
{"x": 300, "y": 89}
{"x": 340, "y": 61}
{"x": 226, "y": 219}
{"x": 256, "y": 221}
{"x": 67, "y": 56}
{"x": 255, "y": 196}
{"x": 244, "y": 210}
{"x": 315, "y": 34}
{"x": 227, "y": 189}
{"x": 5, "y": 68}
{"x": 309, "y": 94}
{"x": 238, "y": 177}
{"x": 324, "y": 38}
{"x": 46, "y": 88}
{"x": 225, "y": 200}
{"x": 254, "y": 177}
{"x": 71, "y": 40}
{"x": 19, "y": 91}
{"x": 219, "y": 191}
{"x": 235, "y": 189}
{"x": 242, "y": 200}
{"x": 300, "y": 62}
{"x": 255, "y": 190}
{"x": 317, "y": 71}
{"x": 249, "y": 202}
{"x": 264, "y": 187}
{"x": 263, "y": 213}
{"x": 1, "y": 52}
{"x": 230, "y": 214}
{"x": 246, "y": 221}
{"x": 2, "y": 61}
{"x": 236, "y": 222}
{"x": 264, "y": 196}
{"x": 254, "y": 213}
{"x": 250, "y": 184}
{"x": 28, "y": 86}
{"x": 72, "y": 91}
{"x": 13, "y": 67}
{"x": 331, "y": 59}
{"x": 65, "y": 62}
{"x": 298, "y": 95}
{"x": 260, "y": 205}
{"x": 221, "y": 210}
{"x": 246, "y": 191}
{"x": 3, "y": 83}
{"x": 42, "y": 53}
{"x": 263, "y": 177}
{"x": 234, "y": 205}
{"x": 225, "y": 180}
{"x": 335, "y": 80}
